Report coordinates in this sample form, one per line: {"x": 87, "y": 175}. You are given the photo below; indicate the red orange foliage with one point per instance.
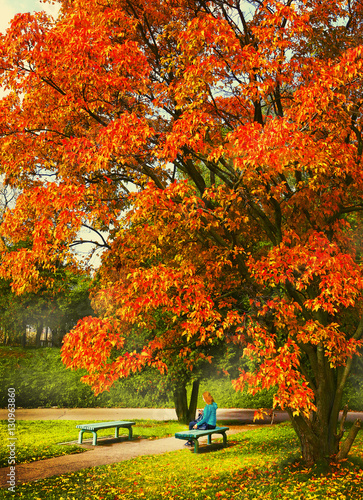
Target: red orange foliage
{"x": 239, "y": 126}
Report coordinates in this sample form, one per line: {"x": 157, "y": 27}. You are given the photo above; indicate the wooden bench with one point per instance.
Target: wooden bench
{"x": 195, "y": 434}
{"x": 103, "y": 425}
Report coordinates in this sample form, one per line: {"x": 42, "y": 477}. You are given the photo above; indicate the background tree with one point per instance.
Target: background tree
{"x": 263, "y": 99}
{"x": 51, "y": 312}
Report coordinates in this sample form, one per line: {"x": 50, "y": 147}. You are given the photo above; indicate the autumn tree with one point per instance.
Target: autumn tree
{"x": 218, "y": 144}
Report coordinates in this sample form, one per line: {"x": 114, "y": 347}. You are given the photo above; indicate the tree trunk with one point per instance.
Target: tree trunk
{"x": 184, "y": 412}
{"x": 39, "y": 333}
{"x": 319, "y": 433}
{"x": 193, "y": 400}
{"x": 23, "y": 338}
{"x": 6, "y": 337}
{"x": 48, "y": 342}
{"x": 317, "y": 444}
{"x": 346, "y": 446}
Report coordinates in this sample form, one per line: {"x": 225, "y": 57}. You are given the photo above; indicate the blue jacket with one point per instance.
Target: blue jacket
{"x": 209, "y": 415}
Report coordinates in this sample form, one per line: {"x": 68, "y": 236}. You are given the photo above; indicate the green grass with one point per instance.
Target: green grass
{"x": 40, "y": 439}
{"x": 259, "y": 464}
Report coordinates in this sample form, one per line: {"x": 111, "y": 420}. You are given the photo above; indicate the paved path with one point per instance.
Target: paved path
{"x": 241, "y": 415}
{"x": 110, "y": 451}
{"x": 96, "y": 455}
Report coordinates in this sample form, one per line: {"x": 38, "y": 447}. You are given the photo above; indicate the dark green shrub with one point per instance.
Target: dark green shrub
{"x": 41, "y": 380}
{"x": 226, "y": 397}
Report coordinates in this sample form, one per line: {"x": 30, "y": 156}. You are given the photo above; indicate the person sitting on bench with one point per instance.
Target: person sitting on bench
{"x": 209, "y": 419}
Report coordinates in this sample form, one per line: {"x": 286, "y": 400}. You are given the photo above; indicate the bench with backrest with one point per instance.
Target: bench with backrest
{"x": 103, "y": 425}
{"x": 195, "y": 434}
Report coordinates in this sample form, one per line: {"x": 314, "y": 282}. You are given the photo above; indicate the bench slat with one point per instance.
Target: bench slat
{"x": 198, "y": 433}
{"x": 194, "y": 435}
{"x": 103, "y": 425}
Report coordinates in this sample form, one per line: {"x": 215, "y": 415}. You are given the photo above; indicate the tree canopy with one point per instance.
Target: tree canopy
{"x": 218, "y": 144}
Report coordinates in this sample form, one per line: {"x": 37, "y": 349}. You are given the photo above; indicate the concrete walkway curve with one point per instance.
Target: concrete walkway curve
{"x": 102, "y": 454}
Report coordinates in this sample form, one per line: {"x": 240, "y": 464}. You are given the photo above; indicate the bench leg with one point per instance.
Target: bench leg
{"x": 224, "y": 439}
{"x": 196, "y": 445}
{"x": 94, "y": 439}
{"x": 80, "y": 436}
{"x": 117, "y": 432}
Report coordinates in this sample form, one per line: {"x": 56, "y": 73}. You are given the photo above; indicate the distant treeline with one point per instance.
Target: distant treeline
{"x": 41, "y": 380}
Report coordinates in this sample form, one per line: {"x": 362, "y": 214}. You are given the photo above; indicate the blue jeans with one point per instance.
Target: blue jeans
{"x": 203, "y": 427}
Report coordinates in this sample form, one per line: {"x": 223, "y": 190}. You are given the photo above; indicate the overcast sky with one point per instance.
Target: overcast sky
{"x": 8, "y": 9}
